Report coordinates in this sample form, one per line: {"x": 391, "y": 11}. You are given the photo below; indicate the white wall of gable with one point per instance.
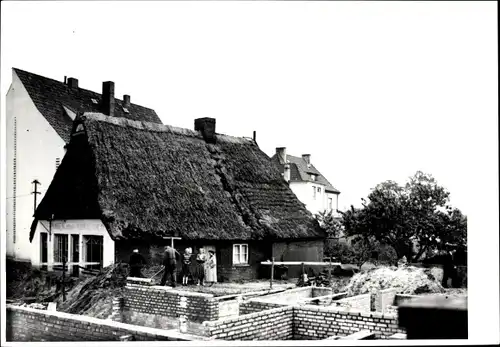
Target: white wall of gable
{"x": 38, "y": 146}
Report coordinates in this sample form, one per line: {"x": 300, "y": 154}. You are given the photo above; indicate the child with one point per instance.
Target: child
{"x": 186, "y": 263}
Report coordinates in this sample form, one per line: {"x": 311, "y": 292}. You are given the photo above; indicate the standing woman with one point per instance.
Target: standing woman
{"x": 186, "y": 264}
{"x": 200, "y": 267}
{"x": 211, "y": 268}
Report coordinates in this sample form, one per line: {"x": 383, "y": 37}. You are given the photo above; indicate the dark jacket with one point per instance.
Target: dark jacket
{"x": 170, "y": 257}
{"x": 136, "y": 259}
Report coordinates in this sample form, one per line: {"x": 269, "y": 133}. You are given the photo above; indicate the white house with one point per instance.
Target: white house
{"x": 40, "y": 114}
{"x": 308, "y": 184}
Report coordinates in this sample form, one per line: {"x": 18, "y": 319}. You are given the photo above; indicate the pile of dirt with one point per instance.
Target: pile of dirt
{"x": 93, "y": 295}
{"x": 406, "y": 279}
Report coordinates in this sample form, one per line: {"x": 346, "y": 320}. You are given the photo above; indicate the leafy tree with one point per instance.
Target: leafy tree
{"x": 413, "y": 219}
{"x": 330, "y": 224}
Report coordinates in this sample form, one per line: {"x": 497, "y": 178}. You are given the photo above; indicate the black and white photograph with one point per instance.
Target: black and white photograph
{"x": 249, "y": 172}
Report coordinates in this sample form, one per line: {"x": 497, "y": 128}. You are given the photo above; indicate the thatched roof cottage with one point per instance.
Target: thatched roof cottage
{"x": 138, "y": 184}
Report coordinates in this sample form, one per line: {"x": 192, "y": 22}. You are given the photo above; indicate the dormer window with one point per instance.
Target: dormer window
{"x": 58, "y": 162}
{"x": 94, "y": 101}
{"x": 313, "y": 177}
{"x": 125, "y": 110}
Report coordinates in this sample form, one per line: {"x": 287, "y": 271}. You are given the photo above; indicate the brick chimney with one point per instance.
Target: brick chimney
{"x": 281, "y": 153}
{"x": 307, "y": 158}
{"x": 207, "y": 128}
{"x": 108, "y": 98}
{"x": 73, "y": 83}
{"x": 126, "y": 101}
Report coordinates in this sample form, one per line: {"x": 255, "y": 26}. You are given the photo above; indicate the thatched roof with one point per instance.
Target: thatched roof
{"x": 151, "y": 180}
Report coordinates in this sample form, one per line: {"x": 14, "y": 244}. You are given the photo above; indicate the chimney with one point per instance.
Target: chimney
{"x": 286, "y": 172}
{"x": 307, "y": 158}
{"x": 65, "y": 79}
{"x": 281, "y": 153}
{"x": 207, "y": 128}
{"x": 73, "y": 83}
{"x": 126, "y": 101}
{"x": 254, "y": 136}
{"x": 108, "y": 98}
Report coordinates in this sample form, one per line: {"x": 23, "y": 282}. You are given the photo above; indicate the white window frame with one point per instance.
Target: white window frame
{"x": 240, "y": 258}
{"x": 330, "y": 204}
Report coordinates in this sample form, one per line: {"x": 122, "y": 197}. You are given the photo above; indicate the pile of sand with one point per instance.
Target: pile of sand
{"x": 406, "y": 279}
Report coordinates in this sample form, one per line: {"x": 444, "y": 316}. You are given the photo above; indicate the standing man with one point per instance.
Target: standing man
{"x": 136, "y": 263}
{"x": 170, "y": 264}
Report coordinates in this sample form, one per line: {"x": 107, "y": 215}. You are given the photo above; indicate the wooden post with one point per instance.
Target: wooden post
{"x": 303, "y": 270}
{"x": 330, "y": 270}
{"x": 272, "y": 273}
{"x": 63, "y": 279}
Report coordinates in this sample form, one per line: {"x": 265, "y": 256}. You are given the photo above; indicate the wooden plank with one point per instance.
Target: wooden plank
{"x": 320, "y": 263}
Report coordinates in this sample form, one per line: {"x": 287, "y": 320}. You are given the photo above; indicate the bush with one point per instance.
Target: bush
{"x": 359, "y": 252}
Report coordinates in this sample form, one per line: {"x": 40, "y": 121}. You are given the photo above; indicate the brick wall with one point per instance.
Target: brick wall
{"x": 163, "y": 301}
{"x": 385, "y": 298}
{"x": 274, "y": 324}
{"x": 254, "y": 305}
{"x": 359, "y": 302}
{"x": 316, "y": 323}
{"x": 27, "y": 324}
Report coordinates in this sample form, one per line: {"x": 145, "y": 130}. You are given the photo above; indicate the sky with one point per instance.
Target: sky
{"x": 373, "y": 91}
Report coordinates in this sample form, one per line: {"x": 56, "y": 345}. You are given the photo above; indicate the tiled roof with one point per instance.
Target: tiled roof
{"x": 49, "y": 97}
{"x": 300, "y": 172}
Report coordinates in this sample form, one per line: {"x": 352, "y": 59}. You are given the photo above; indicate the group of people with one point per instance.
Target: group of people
{"x": 201, "y": 269}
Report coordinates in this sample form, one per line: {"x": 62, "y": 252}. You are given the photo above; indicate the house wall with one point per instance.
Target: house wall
{"x": 226, "y": 271}
{"x": 27, "y": 324}
{"x": 37, "y": 147}
{"x": 311, "y": 250}
{"x": 81, "y": 227}
{"x": 304, "y": 192}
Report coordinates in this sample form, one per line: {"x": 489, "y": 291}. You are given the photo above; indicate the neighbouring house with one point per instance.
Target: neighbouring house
{"x": 310, "y": 186}
{"x": 144, "y": 185}
{"x": 40, "y": 113}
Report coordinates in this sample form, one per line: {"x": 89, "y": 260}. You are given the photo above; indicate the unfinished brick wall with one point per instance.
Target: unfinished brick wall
{"x": 162, "y": 301}
{"x": 27, "y": 324}
{"x": 274, "y": 324}
{"x": 316, "y": 323}
{"x": 385, "y": 298}
{"x": 358, "y": 302}
{"x": 254, "y": 305}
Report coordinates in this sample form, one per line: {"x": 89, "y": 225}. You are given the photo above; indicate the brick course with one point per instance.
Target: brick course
{"x": 313, "y": 323}
{"x": 274, "y": 324}
{"x": 27, "y": 324}
{"x": 164, "y": 301}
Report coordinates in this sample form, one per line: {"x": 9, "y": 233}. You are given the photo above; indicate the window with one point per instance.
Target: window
{"x": 93, "y": 250}
{"x": 330, "y": 203}
{"x": 94, "y": 101}
{"x": 240, "y": 254}
{"x": 314, "y": 193}
{"x": 58, "y": 162}
{"x": 60, "y": 248}
{"x": 313, "y": 177}
{"x": 319, "y": 189}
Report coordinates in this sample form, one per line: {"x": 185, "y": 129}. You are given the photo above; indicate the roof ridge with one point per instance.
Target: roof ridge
{"x": 150, "y": 126}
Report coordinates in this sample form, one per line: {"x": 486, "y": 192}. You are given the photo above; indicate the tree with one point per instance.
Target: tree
{"x": 330, "y": 224}
{"x": 413, "y": 219}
